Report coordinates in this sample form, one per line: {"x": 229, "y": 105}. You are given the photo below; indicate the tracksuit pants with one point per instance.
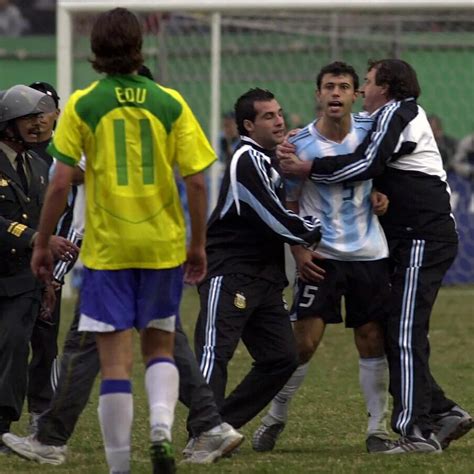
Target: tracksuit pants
{"x": 235, "y": 307}
{"x": 418, "y": 268}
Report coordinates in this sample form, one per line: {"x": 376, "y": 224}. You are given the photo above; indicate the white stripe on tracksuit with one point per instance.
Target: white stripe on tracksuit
{"x": 208, "y": 355}
{"x": 405, "y": 340}
{"x": 55, "y": 370}
{"x": 61, "y": 267}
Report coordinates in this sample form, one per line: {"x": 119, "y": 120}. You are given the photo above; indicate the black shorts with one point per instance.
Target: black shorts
{"x": 364, "y": 285}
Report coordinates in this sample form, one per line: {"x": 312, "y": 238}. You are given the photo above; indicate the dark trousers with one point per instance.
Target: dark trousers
{"x": 79, "y": 368}
{"x": 44, "y": 350}
{"x": 17, "y": 318}
{"x": 418, "y": 268}
{"x": 235, "y": 307}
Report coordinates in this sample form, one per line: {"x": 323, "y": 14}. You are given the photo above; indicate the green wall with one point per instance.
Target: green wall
{"x": 445, "y": 74}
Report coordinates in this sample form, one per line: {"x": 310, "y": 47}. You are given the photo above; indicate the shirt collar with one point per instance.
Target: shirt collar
{"x": 10, "y": 153}
{"x": 249, "y": 141}
{"x": 392, "y": 101}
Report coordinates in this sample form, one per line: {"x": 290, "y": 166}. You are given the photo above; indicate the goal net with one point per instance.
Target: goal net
{"x": 212, "y": 59}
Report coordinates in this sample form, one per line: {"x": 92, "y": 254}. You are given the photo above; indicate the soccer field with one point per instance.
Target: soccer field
{"x": 326, "y": 431}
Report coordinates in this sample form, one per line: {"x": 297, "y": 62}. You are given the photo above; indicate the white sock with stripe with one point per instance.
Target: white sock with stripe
{"x": 115, "y": 417}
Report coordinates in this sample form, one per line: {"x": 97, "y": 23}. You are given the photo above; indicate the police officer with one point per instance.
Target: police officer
{"x": 23, "y": 180}
{"x": 43, "y": 365}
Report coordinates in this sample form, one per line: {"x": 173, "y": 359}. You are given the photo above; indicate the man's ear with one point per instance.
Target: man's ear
{"x": 8, "y": 130}
{"x": 248, "y": 125}
{"x": 384, "y": 91}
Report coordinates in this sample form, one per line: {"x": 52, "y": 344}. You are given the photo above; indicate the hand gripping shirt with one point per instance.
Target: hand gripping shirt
{"x": 401, "y": 153}
{"x": 134, "y": 132}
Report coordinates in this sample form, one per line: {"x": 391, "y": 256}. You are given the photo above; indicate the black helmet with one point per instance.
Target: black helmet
{"x": 21, "y": 100}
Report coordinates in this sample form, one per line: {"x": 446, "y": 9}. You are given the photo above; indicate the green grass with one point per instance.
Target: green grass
{"x": 327, "y": 426}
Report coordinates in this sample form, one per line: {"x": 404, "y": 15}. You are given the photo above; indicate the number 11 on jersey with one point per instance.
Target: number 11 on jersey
{"x": 148, "y": 163}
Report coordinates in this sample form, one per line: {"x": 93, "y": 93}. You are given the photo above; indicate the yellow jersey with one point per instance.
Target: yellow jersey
{"x": 134, "y": 133}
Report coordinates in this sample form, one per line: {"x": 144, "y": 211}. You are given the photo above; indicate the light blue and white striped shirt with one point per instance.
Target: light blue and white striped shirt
{"x": 350, "y": 229}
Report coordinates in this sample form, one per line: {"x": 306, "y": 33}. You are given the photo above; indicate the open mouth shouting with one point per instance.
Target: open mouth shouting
{"x": 335, "y": 106}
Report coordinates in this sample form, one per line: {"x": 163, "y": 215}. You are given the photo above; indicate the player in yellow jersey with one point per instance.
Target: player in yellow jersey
{"x": 134, "y": 134}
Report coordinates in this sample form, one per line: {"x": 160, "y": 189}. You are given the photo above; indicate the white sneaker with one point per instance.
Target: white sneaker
{"x": 188, "y": 449}
{"x": 213, "y": 444}
{"x": 415, "y": 443}
{"x": 30, "y": 448}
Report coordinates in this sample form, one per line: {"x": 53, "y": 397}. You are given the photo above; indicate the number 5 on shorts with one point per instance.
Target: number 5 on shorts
{"x": 309, "y": 293}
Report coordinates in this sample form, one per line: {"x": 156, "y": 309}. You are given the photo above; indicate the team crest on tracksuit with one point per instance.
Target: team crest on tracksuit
{"x": 240, "y": 301}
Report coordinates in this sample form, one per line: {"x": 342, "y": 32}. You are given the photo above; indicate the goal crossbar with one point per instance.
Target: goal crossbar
{"x": 226, "y": 5}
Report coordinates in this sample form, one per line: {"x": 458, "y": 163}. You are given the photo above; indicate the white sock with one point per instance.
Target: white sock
{"x": 280, "y": 404}
{"x": 115, "y": 417}
{"x": 162, "y": 386}
{"x": 373, "y": 378}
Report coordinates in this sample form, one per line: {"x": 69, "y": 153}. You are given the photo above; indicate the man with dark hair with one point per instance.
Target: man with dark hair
{"x": 23, "y": 179}
{"x": 355, "y": 254}
{"x": 241, "y": 296}
{"x": 401, "y": 153}
{"x": 133, "y": 133}
{"x": 397, "y": 76}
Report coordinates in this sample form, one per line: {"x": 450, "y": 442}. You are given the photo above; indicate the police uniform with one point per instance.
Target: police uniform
{"x": 20, "y": 292}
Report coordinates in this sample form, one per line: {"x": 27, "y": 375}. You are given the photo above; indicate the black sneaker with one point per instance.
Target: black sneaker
{"x": 4, "y": 449}
{"x": 4, "y": 428}
{"x": 265, "y": 436}
{"x": 415, "y": 444}
{"x": 452, "y": 425}
{"x": 162, "y": 457}
{"x": 378, "y": 444}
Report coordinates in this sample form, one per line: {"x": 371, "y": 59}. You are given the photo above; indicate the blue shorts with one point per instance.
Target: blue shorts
{"x": 114, "y": 300}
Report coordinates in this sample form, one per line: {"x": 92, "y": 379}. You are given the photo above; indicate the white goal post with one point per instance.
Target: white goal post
{"x": 215, "y": 8}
